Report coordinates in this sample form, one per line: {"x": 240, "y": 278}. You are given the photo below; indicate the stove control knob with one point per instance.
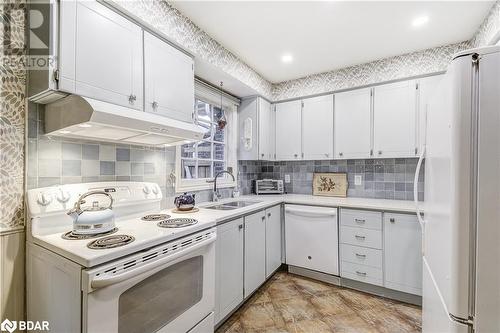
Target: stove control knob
{"x": 155, "y": 190}
{"x": 146, "y": 190}
{"x": 63, "y": 196}
{"x": 44, "y": 199}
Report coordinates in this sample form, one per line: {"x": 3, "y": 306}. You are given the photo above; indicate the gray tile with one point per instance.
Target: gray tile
{"x": 123, "y": 178}
{"x": 71, "y": 151}
{"x": 49, "y": 149}
{"x": 137, "y": 169}
{"x": 71, "y": 168}
{"x": 107, "y": 153}
{"x": 399, "y": 195}
{"x": 149, "y": 168}
{"x": 107, "y": 168}
{"x": 122, "y": 168}
{"x": 91, "y": 168}
{"x": 49, "y": 168}
{"x": 90, "y": 179}
{"x": 71, "y": 180}
{"x": 107, "y": 178}
{"x": 137, "y": 155}
{"x": 122, "y": 154}
{"x": 90, "y": 152}
{"x": 399, "y": 187}
{"x": 409, "y": 187}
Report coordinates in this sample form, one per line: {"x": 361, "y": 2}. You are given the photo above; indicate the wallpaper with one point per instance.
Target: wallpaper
{"x": 12, "y": 115}
{"x": 399, "y": 67}
{"x": 182, "y": 31}
{"x": 489, "y": 31}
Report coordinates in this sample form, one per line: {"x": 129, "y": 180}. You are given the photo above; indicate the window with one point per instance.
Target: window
{"x": 205, "y": 158}
{"x": 200, "y": 161}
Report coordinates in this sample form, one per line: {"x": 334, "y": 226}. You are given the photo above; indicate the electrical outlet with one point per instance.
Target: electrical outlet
{"x": 287, "y": 179}
{"x": 358, "y": 180}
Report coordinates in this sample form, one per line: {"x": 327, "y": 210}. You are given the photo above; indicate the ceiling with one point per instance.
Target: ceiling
{"x": 327, "y": 35}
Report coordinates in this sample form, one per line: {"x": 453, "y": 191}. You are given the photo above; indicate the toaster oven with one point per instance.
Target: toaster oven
{"x": 268, "y": 186}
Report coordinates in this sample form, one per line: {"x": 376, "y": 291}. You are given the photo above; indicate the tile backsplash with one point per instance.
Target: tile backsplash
{"x": 381, "y": 178}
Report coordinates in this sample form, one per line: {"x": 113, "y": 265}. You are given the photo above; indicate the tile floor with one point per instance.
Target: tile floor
{"x": 290, "y": 303}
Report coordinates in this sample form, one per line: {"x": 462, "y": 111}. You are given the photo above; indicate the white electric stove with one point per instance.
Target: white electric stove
{"x": 154, "y": 272}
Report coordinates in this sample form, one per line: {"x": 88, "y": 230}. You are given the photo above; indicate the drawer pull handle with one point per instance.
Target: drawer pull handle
{"x": 360, "y": 237}
{"x": 360, "y": 220}
{"x": 363, "y": 256}
{"x": 361, "y": 273}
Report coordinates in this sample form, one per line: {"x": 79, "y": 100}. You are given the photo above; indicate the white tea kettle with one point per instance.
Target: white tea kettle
{"x": 94, "y": 219}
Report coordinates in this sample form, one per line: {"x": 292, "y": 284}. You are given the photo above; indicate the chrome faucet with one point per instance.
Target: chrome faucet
{"x": 215, "y": 194}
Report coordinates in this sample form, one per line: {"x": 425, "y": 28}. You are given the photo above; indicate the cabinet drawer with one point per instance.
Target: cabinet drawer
{"x": 361, "y": 218}
{"x": 361, "y": 237}
{"x": 361, "y": 255}
{"x": 361, "y": 273}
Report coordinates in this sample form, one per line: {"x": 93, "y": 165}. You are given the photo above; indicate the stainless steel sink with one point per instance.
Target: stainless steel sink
{"x": 231, "y": 205}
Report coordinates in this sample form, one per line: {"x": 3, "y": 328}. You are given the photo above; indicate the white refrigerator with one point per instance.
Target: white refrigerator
{"x": 461, "y": 221}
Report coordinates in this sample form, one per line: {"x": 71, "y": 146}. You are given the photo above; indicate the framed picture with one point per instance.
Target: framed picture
{"x": 331, "y": 184}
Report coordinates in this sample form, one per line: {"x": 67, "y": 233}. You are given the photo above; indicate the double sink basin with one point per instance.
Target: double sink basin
{"x": 230, "y": 205}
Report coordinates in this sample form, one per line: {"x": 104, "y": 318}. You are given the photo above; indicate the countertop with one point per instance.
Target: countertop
{"x": 265, "y": 201}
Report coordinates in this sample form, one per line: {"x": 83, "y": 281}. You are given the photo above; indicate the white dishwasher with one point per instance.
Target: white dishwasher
{"x": 311, "y": 238}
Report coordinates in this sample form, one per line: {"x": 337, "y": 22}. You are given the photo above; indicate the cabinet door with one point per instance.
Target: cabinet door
{"x": 273, "y": 239}
{"x": 266, "y": 141}
{"x": 394, "y": 126}
{"x": 403, "y": 253}
{"x": 289, "y": 130}
{"x": 100, "y": 54}
{"x": 255, "y": 251}
{"x": 317, "y": 128}
{"x": 426, "y": 88}
{"x": 229, "y": 268}
{"x": 352, "y": 124}
{"x": 169, "y": 80}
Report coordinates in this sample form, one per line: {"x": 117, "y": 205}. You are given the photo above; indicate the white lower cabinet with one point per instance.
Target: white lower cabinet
{"x": 382, "y": 249}
{"x": 255, "y": 251}
{"x": 273, "y": 239}
{"x": 229, "y": 270}
{"x": 403, "y": 253}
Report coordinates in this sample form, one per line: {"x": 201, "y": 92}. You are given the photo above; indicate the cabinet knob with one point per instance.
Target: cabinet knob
{"x": 309, "y": 257}
{"x": 392, "y": 220}
{"x": 240, "y": 226}
{"x": 380, "y": 152}
{"x": 326, "y": 154}
{"x": 263, "y": 218}
{"x": 295, "y": 155}
{"x": 154, "y": 105}
{"x": 341, "y": 154}
{"x": 268, "y": 214}
{"x": 359, "y": 237}
{"x": 361, "y": 273}
{"x": 132, "y": 98}
{"x": 262, "y": 155}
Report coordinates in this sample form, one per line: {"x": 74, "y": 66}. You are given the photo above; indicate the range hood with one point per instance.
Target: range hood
{"x": 86, "y": 118}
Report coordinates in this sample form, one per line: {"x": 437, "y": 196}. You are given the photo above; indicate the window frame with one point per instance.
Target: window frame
{"x": 230, "y": 149}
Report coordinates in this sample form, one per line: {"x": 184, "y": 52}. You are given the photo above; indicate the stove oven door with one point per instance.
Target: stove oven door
{"x": 169, "y": 288}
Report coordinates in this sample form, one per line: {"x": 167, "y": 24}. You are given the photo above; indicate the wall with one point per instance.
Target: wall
{"x": 381, "y": 178}
{"x": 489, "y": 31}
{"x": 403, "y": 66}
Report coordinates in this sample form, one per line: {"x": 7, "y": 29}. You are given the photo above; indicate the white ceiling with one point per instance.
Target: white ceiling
{"x": 326, "y": 35}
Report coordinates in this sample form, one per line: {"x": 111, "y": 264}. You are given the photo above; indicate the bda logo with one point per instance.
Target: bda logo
{"x": 8, "y": 325}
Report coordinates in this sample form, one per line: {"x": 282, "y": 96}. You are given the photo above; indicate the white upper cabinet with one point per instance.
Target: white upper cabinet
{"x": 352, "y": 125}
{"x": 426, "y": 88}
{"x": 317, "y": 128}
{"x": 394, "y": 120}
{"x": 403, "y": 253}
{"x": 256, "y": 119}
{"x": 168, "y": 80}
{"x": 100, "y": 54}
{"x": 289, "y": 130}
{"x": 266, "y": 130}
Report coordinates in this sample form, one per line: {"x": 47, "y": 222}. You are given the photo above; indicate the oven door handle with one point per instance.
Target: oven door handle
{"x": 101, "y": 282}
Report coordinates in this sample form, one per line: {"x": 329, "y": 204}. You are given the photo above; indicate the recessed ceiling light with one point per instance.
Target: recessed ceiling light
{"x": 287, "y": 58}
{"x": 64, "y": 132}
{"x": 420, "y": 21}
{"x": 85, "y": 125}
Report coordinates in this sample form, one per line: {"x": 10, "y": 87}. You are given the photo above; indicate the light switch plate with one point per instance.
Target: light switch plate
{"x": 358, "y": 180}
{"x": 287, "y": 179}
